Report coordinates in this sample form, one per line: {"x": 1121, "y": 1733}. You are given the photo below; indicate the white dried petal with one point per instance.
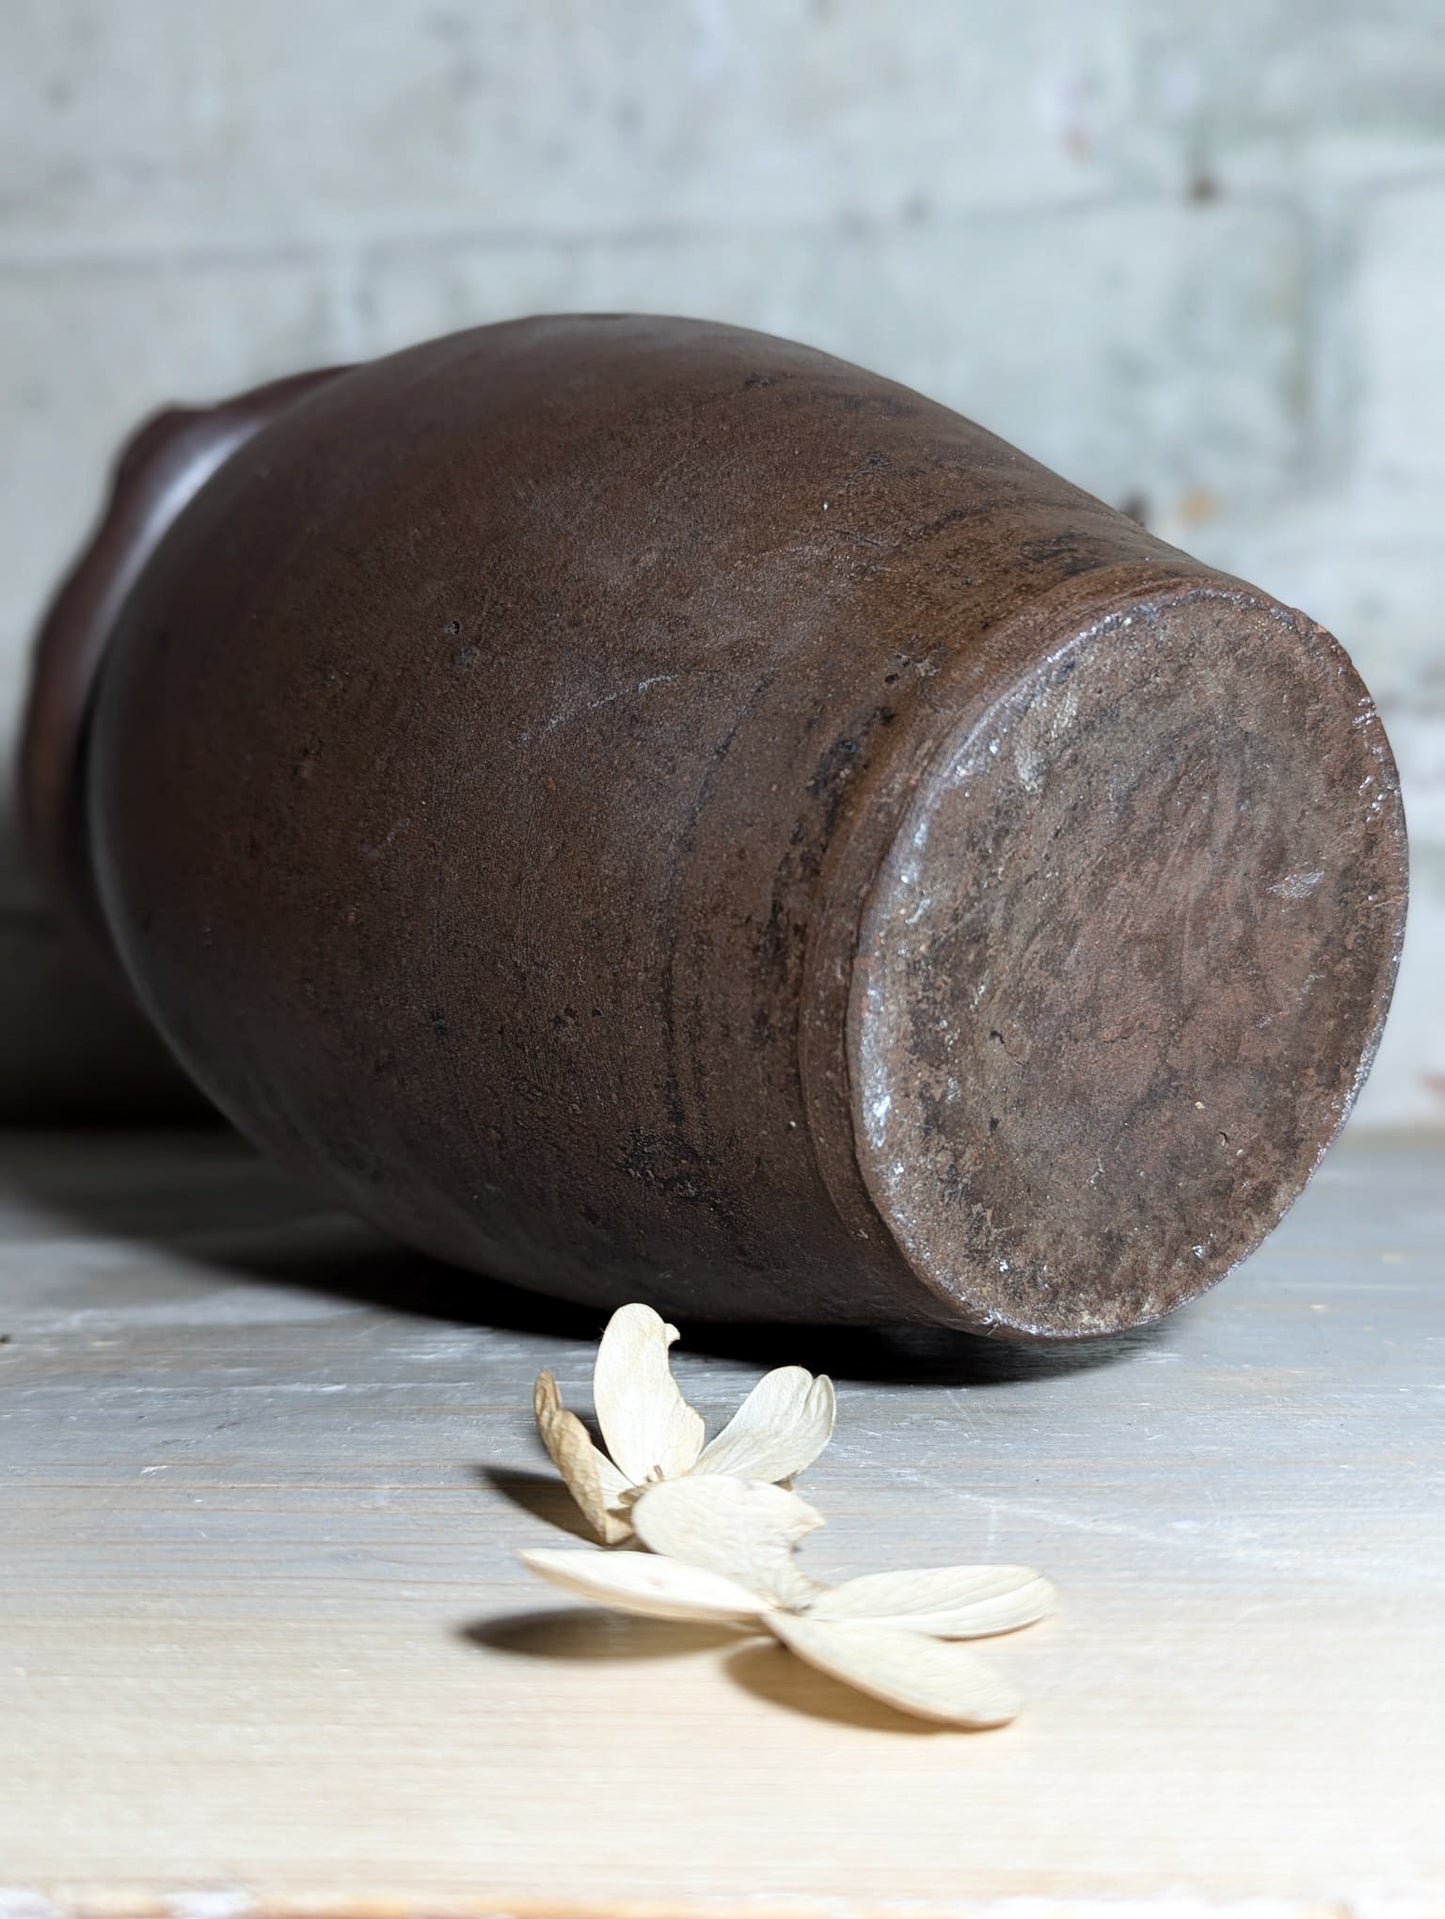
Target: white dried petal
{"x": 781, "y": 1427}
{"x": 640, "y": 1583}
{"x": 591, "y": 1478}
{"x": 950, "y": 1602}
{"x": 650, "y": 1430}
{"x": 905, "y": 1669}
{"x": 744, "y": 1529}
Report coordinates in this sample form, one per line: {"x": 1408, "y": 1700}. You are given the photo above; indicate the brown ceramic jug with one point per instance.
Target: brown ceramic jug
{"x": 642, "y": 809}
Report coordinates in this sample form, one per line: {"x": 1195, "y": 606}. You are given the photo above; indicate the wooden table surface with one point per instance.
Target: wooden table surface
{"x": 265, "y": 1642}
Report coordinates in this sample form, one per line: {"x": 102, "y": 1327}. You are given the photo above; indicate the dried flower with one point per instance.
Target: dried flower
{"x": 721, "y": 1552}
{"x": 653, "y": 1434}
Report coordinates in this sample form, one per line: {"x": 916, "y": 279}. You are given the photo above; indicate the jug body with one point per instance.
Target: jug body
{"x": 643, "y": 809}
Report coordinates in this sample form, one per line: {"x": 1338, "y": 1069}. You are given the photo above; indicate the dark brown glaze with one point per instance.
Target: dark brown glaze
{"x": 163, "y": 465}
{"x": 643, "y": 809}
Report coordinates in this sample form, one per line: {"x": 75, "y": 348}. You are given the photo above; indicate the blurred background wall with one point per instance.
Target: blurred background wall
{"x": 1193, "y": 257}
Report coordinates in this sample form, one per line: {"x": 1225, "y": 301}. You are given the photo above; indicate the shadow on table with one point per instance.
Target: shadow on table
{"x": 541, "y": 1496}
{"x": 770, "y": 1672}
{"x": 758, "y": 1665}
{"x": 575, "y": 1632}
{"x": 206, "y": 1198}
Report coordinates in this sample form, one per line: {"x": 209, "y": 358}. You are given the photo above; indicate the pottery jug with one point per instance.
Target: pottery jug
{"x": 642, "y": 809}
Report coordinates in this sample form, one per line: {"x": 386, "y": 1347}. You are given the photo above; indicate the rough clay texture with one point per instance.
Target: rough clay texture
{"x": 492, "y": 766}
{"x": 1097, "y": 1052}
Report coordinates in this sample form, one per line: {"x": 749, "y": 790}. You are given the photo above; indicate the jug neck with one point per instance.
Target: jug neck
{"x": 159, "y": 471}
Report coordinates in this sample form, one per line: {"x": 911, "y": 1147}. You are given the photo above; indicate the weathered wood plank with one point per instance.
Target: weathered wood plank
{"x": 263, "y": 1630}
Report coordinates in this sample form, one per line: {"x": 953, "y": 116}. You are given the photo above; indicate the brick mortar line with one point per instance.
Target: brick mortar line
{"x": 845, "y": 229}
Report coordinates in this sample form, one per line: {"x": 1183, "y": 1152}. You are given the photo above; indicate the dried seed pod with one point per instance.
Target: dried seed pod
{"x": 720, "y": 1552}
{"x": 653, "y": 1435}
{"x": 636, "y": 806}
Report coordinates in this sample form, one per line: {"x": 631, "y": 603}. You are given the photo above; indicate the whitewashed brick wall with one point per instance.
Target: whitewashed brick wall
{"x": 1192, "y": 257}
